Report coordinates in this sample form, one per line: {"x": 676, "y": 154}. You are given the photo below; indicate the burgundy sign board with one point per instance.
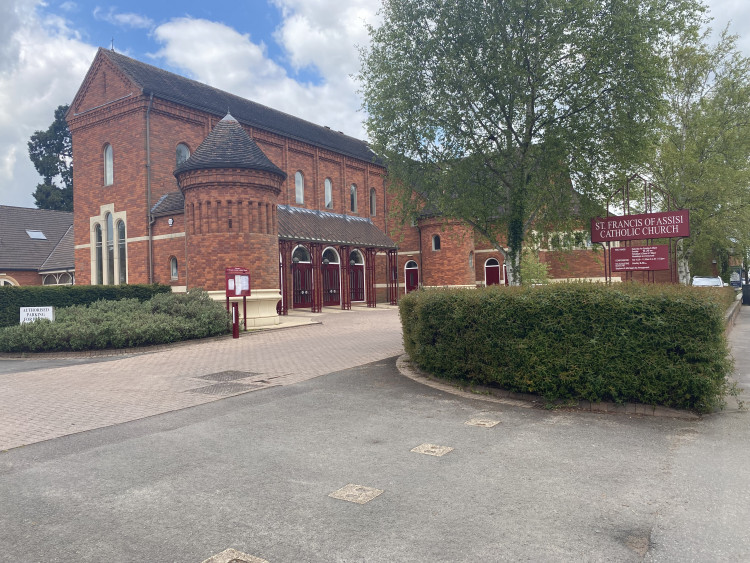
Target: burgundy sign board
{"x": 633, "y": 258}
{"x": 237, "y": 282}
{"x": 669, "y": 224}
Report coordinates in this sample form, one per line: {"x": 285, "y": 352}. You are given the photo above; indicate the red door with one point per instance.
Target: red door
{"x": 302, "y": 291}
{"x": 412, "y": 277}
{"x": 331, "y": 285}
{"x": 357, "y": 282}
{"x": 492, "y": 272}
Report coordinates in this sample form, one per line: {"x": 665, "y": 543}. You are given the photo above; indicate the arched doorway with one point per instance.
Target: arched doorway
{"x": 492, "y": 272}
{"x": 331, "y": 278}
{"x": 411, "y": 276}
{"x": 302, "y": 296}
{"x": 356, "y": 276}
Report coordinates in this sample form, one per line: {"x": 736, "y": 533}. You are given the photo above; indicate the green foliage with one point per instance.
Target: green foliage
{"x": 650, "y": 344}
{"x": 51, "y": 152}
{"x": 167, "y": 317}
{"x": 490, "y": 109}
{"x": 12, "y": 298}
{"x": 703, "y": 155}
{"x": 534, "y": 271}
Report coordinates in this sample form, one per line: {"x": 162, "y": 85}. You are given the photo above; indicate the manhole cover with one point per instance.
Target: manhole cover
{"x": 228, "y": 375}
{"x": 226, "y": 388}
{"x": 432, "y": 449}
{"x": 234, "y": 556}
{"x": 356, "y": 493}
{"x": 482, "y": 422}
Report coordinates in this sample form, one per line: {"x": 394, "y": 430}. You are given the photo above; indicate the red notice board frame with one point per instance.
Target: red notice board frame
{"x": 237, "y": 284}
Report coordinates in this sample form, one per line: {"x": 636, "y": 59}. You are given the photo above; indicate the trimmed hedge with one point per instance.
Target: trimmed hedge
{"x": 12, "y": 298}
{"x": 127, "y": 323}
{"x": 652, "y": 344}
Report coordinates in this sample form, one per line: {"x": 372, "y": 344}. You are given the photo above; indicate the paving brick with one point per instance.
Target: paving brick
{"x": 48, "y": 403}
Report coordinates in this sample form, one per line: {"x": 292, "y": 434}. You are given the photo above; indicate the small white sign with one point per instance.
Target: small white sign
{"x": 30, "y": 314}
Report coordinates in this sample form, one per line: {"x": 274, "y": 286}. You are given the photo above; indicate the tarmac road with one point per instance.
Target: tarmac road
{"x": 254, "y": 472}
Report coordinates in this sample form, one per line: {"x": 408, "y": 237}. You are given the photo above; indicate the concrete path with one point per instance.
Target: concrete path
{"x": 42, "y": 399}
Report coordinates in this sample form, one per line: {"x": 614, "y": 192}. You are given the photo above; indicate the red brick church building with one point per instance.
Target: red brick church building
{"x": 175, "y": 181}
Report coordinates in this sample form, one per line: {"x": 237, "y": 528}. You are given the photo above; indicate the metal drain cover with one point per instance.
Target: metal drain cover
{"x": 356, "y": 493}
{"x": 228, "y": 375}
{"x": 432, "y": 449}
{"x": 226, "y": 388}
{"x": 234, "y": 556}
{"x": 482, "y": 422}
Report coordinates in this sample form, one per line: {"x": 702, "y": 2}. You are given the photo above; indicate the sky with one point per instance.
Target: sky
{"x": 298, "y": 56}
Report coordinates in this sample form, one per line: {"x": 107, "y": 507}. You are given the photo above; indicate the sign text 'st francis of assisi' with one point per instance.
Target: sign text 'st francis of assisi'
{"x": 669, "y": 224}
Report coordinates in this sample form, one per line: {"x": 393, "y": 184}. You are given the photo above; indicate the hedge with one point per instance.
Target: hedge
{"x": 12, "y": 298}
{"x": 126, "y": 323}
{"x": 652, "y": 344}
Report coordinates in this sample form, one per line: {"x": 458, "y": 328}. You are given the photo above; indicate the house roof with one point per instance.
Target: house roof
{"x": 19, "y": 251}
{"x": 169, "y": 204}
{"x": 173, "y": 87}
{"x": 228, "y": 146}
{"x": 298, "y": 223}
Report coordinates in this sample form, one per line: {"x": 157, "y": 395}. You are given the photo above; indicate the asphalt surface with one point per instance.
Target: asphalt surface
{"x": 254, "y": 472}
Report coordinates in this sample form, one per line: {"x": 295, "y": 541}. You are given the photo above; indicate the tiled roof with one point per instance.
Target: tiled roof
{"x": 176, "y": 88}
{"x": 18, "y": 251}
{"x": 169, "y": 204}
{"x": 61, "y": 257}
{"x": 228, "y": 146}
{"x": 297, "y": 223}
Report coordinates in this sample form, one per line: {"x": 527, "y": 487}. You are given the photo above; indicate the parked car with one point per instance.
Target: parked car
{"x": 708, "y": 281}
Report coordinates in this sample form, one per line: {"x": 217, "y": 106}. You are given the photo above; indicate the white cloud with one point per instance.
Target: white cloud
{"x": 42, "y": 66}
{"x": 127, "y": 19}
{"x": 325, "y": 33}
{"x": 220, "y": 56}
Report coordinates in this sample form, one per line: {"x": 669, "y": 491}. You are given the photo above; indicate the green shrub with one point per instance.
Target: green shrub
{"x": 653, "y": 344}
{"x": 12, "y": 298}
{"x": 167, "y": 317}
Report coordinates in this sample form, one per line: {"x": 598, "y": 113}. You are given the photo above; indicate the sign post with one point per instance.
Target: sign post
{"x": 236, "y": 284}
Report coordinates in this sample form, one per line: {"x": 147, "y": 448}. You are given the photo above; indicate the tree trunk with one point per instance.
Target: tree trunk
{"x": 683, "y": 263}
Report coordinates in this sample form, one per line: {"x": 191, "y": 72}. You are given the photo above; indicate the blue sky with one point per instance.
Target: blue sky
{"x": 298, "y": 56}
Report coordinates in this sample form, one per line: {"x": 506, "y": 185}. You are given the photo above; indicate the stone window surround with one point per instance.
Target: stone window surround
{"x": 102, "y": 222}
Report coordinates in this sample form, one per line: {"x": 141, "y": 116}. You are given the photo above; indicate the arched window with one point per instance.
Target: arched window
{"x": 355, "y": 258}
{"x": 299, "y": 187}
{"x": 353, "y": 198}
{"x": 109, "y": 176}
{"x": 49, "y": 279}
{"x": 174, "y": 273}
{"x": 122, "y": 253}
{"x": 110, "y": 236}
{"x": 330, "y": 256}
{"x": 4, "y": 281}
{"x": 300, "y": 254}
{"x": 99, "y": 259}
{"x": 183, "y": 153}
{"x": 328, "y": 193}
{"x": 373, "y": 202}
{"x": 435, "y": 242}
{"x": 65, "y": 279}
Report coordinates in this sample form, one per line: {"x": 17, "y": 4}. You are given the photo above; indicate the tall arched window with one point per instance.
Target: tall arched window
{"x": 373, "y": 202}
{"x": 328, "y": 193}
{"x": 110, "y": 235}
{"x": 174, "y": 273}
{"x": 435, "y": 242}
{"x": 353, "y": 198}
{"x": 183, "y": 153}
{"x": 99, "y": 257}
{"x": 122, "y": 253}
{"x": 299, "y": 187}
{"x": 109, "y": 176}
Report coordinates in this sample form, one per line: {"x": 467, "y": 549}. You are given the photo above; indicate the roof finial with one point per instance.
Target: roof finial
{"x": 113, "y": 45}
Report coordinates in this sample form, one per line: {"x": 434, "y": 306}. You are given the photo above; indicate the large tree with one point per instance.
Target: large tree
{"x": 703, "y": 155}
{"x": 514, "y": 114}
{"x": 51, "y": 151}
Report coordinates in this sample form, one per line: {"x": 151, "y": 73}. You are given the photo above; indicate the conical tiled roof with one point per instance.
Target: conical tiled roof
{"x": 228, "y": 146}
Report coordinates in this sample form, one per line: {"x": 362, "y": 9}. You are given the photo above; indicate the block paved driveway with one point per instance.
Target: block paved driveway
{"x": 47, "y": 398}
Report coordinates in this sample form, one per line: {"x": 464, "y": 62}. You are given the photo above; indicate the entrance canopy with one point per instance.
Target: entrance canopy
{"x": 307, "y": 225}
